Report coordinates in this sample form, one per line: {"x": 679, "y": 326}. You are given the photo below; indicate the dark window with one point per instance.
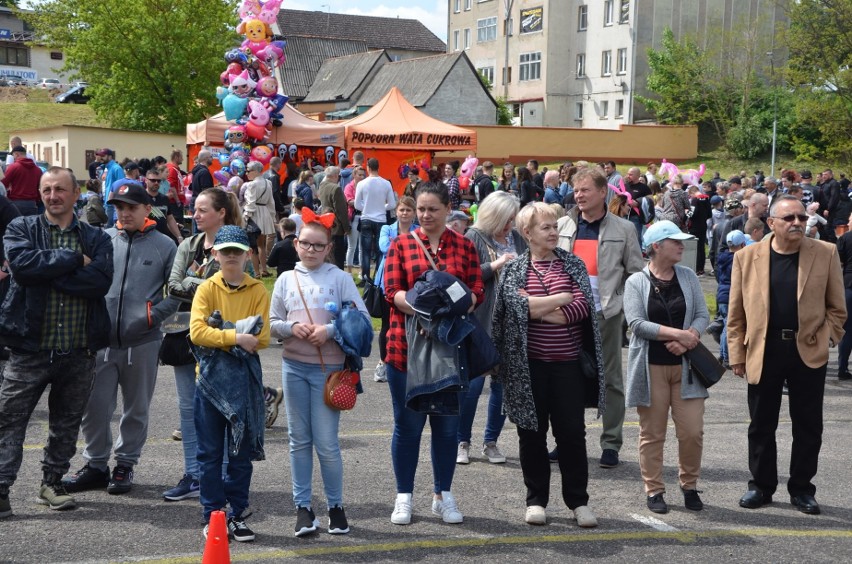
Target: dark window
{"x": 56, "y": 55}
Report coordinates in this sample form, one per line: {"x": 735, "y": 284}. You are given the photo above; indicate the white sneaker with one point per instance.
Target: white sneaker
{"x": 585, "y": 518}
{"x": 463, "y": 456}
{"x": 381, "y": 374}
{"x": 402, "y": 509}
{"x": 493, "y": 453}
{"x": 447, "y": 508}
{"x": 536, "y": 515}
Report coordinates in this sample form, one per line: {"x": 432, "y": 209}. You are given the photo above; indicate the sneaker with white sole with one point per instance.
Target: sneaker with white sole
{"x": 381, "y": 374}
{"x": 493, "y": 453}
{"x": 447, "y": 508}
{"x": 337, "y": 523}
{"x": 55, "y": 497}
{"x": 585, "y": 518}
{"x": 402, "y": 509}
{"x": 238, "y": 529}
{"x": 306, "y": 521}
{"x": 186, "y": 488}
{"x": 463, "y": 456}
{"x": 272, "y": 406}
{"x": 536, "y": 515}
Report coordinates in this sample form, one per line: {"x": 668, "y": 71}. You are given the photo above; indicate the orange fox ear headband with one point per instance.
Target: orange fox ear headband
{"x": 326, "y": 219}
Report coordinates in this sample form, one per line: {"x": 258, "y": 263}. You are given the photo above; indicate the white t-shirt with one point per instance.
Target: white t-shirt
{"x": 373, "y": 197}
{"x": 297, "y": 219}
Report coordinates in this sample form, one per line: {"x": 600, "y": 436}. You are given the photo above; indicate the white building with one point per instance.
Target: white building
{"x": 19, "y": 56}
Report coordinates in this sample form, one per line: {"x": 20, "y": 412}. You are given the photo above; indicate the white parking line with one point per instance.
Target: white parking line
{"x": 654, "y": 523}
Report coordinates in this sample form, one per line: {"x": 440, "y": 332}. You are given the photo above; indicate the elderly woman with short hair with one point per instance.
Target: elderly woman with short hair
{"x": 544, "y": 323}
{"x": 497, "y": 243}
{"x": 260, "y": 208}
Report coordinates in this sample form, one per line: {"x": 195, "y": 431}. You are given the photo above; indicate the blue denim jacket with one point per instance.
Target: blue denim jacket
{"x": 354, "y": 334}
{"x": 436, "y": 372}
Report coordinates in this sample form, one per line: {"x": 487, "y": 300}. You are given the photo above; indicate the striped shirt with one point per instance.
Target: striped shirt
{"x": 64, "y": 326}
{"x": 546, "y": 341}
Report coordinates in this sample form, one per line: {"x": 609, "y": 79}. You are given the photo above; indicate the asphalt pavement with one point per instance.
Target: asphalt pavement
{"x": 140, "y": 526}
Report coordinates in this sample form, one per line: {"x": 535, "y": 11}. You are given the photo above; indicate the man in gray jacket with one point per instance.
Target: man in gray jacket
{"x": 608, "y": 246}
{"x": 143, "y": 261}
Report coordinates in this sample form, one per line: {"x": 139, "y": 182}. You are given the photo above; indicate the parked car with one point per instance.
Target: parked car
{"x": 49, "y": 84}
{"x": 74, "y": 95}
{"x": 13, "y": 80}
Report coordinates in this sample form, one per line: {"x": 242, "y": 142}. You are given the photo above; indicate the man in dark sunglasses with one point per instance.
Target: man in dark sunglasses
{"x": 787, "y": 307}
{"x": 162, "y": 210}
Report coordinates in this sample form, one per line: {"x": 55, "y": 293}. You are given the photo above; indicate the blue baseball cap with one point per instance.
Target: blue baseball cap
{"x": 231, "y": 236}
{"x": 664, "y": 229}
{"x": 736, "y": 238}
{"x": 716, "y": 200}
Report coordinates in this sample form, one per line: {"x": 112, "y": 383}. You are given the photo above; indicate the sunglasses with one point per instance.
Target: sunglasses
{"x": 792, "y": 217}
{"x": 154, "y": 180}
{"x": 317, "y": 247}
{"x": 231, "y": 251}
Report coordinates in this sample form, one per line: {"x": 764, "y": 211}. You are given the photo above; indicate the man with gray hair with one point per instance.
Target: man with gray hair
{"x": 757, "y": 206}
{"x": 333, "y": 201}
{"x": 770, "y": 185}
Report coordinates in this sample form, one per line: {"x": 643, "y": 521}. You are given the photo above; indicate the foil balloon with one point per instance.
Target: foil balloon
{"x": 222, "y": 177}
{"x": 224, "y": 159}
{"x": 258, "y": 113}
{"x": 234, "y": 106}
{"x": 238, "y": 167}
{"x": 262, "y": 154}
{"x": 235, "y": 135}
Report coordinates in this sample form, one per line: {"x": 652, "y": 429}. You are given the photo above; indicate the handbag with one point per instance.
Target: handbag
{"x": 174, "y": 349}
{"x": 373, "y": 297}
{"x": 702, "y": 362}
{"x": 252, "y": 227}
{"x": 340, "y": 391}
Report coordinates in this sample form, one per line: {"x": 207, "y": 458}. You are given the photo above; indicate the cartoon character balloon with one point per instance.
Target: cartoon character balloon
{"x": 238, "y": 167}
{"x": 262, "y": 154}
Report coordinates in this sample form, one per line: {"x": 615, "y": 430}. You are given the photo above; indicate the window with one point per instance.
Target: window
{"x": 581, "y": 65}
{"x": 456, "y": 40}
{"x": 605, "y": 109}
{"x": 624, "y": 15}
{"x": 14, "y": 56}
{"x": 467, "y": 5}
{"x": 486, "y": 29}
{"x": 487, "y": 72}
{"x": 457, "y": 6}
{"x": 578, "y": 111}
{"x": 530, "y": 66}
{"x": 608, "y": 6}
{"x": 507, "y": 75}
{"x": 56, "y": 55}
{"x": 619, "y": 109}
{"x": 622, "y": 61}
{"x": 606, "y": 63}
{"x": 582, "y": 18}
{"x": 467, "y": 38}
{"x": 507, "y": 26}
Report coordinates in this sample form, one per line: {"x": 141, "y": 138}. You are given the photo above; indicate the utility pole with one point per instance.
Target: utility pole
{"x": 771, "y": 55}
{"x": 506, "y": 31}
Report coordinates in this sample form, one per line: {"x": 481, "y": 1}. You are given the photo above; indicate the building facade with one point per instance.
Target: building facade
{"x": 580, "y": 63}
{"x": 19, "y": 56}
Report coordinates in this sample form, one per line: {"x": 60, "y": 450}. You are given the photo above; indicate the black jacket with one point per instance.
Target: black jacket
{"x": 36, "y": 268}
{"x": 201, "y": 179}
{"x": 483, "y": 186}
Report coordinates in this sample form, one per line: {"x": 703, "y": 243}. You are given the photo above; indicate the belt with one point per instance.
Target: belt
{"x": 785, "y": 334}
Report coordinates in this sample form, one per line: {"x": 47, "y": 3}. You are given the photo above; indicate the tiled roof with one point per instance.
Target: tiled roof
{"x": 379, "y": 33}
{"x": 339, "y": 78}
{"x": 417, "y": 79}
{"x": 305, "y": 56}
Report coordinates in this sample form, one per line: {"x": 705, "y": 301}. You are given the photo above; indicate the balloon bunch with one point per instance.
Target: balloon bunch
{"x": 249, "y": 91}
{"x": 691, "y": 177}
{"x": 406, "y": 167}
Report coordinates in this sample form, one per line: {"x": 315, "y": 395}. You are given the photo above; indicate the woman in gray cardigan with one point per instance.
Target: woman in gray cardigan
{"x": 497, "y": 242}
{"x": 664, "y": 307}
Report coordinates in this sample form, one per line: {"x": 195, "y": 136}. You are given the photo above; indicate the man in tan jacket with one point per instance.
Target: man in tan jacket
{"x": 787, "y": 307}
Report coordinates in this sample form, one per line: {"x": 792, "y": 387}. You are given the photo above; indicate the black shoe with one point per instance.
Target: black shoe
{"x": 337, "y": 523}
{"x": 238, "y": 528}
{"x": 657, "y": 504}
{"x": 609, "y": 458}
{"x": 845, "y": 375}
{"x": 691, "y": 500}
{"x": 306, "y": 521}
{"x": 715, "y": 329}
{"x": 806, "y": 504}
{"x": 755, "y": 499}
{"x": 86, "y": 478}
{"x": 122, "y": 480}
{"x": 553, "y": 456}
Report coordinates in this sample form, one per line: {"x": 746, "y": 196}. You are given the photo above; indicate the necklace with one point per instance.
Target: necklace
{"x": 541, "y": 273}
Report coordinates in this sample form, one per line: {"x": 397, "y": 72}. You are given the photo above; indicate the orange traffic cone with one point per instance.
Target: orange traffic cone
{"x": 216, "y": 550}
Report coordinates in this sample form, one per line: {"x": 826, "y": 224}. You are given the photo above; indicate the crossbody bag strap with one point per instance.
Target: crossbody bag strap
{"x": 425, "y": 251}
{"x": 310, "y": 318}
{"x": 660, "y": 297}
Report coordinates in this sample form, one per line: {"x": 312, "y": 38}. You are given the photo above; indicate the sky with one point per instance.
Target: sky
{"x": 432, "y": 13}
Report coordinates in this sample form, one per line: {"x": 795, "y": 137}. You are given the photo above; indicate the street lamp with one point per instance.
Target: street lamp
{"x": 770, "y": 54}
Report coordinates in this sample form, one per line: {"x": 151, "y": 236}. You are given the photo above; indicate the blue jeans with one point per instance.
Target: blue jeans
{"x": 723, "y": 338}
{"x": 496, "y": 419}
{"x": 369, "y": 239}
{"x": 312, "y": 425}
{"x": 637, "y": 223}
{"x": 218, "y": 490}
{"x": 405, "y": 444}
{"x": 845, "y": 346}
{"x": 109, "y": 209}
{"x": 185, "y": 387}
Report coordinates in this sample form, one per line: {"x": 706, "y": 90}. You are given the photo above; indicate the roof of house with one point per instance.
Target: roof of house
{"x": 305, "y": 56}
{"x": 339, "y": 78}
{"x": 379, "y": 33}
{"x": 418, "y": 79}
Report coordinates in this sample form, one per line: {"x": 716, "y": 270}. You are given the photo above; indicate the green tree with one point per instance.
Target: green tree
{"x": 504, "y": 113}
{"x": 151, "y": 64}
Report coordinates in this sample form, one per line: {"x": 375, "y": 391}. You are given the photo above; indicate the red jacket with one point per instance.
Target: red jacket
{"x": 21, "y": 180}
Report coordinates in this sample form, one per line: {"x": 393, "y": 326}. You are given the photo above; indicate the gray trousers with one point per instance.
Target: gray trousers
{"x": 134, "y": 370}
{"x": 613, "y": 417}
{"x": 25, "y": 377}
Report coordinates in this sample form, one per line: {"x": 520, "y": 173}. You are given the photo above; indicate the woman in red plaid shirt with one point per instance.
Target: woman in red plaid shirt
{"x": 406, "y": 261}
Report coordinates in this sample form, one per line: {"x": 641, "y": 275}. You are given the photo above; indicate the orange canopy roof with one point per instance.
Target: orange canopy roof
{"x": 393, "y": 123}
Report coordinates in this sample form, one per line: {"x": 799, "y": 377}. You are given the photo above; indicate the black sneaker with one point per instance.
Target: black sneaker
{"x": 306, "y": 521}
{"x": 845, "y": 375}
{"x": 238, "y": 528}
{"x": 86, "y": 478}
{"x": 657, "y": 504}
{"x": 609, "y": 458}
{"x": 691, "y": 500}
{"x": 6, "y": 507}
{"x": 337, "y": 523}
{"x": 122, "y": 480}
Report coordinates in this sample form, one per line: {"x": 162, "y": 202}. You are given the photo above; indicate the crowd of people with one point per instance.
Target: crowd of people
{"x": 555, "y": 267}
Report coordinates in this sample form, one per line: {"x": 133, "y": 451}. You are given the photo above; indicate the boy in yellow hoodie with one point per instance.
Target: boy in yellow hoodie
{"x": 229, "y": 401}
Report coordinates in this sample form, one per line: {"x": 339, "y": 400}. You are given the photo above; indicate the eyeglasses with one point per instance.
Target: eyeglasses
{"x": 317, "y": 247}
{"x": 792, "y": 217}
{"x": 154, "y": 180}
